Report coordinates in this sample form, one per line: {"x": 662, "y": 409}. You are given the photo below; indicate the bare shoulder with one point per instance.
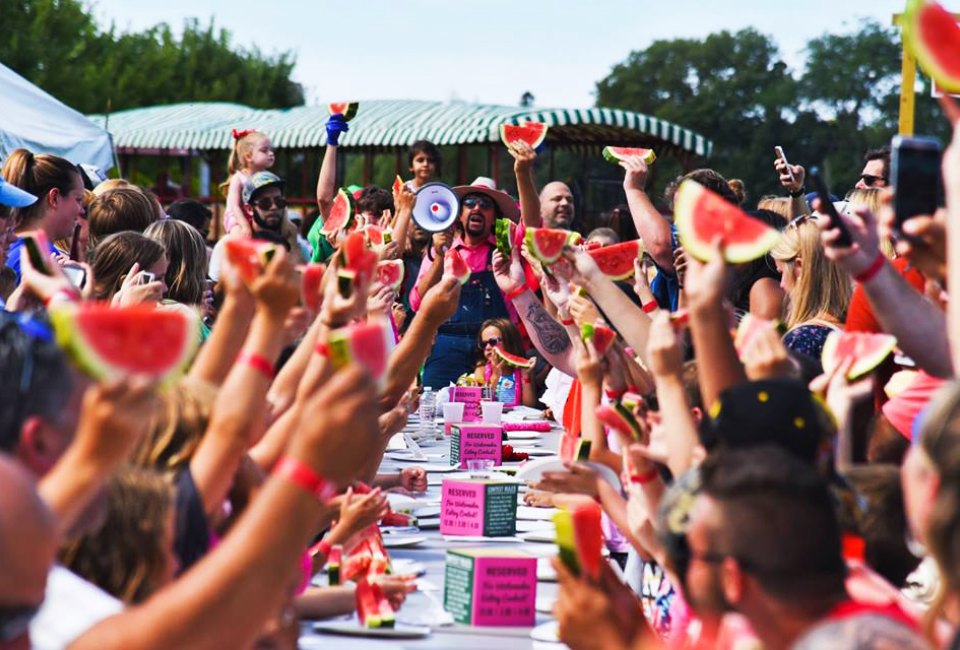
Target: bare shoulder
{"x": 864, "y": 632}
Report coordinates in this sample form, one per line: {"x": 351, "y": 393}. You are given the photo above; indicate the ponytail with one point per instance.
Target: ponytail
{"x": 38, "y": 174}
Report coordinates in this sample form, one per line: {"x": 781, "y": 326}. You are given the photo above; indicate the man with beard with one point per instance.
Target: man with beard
{"x": 762, "y": 539}
{"x": 480, "y": 299}
{"x": 263, "y": 198}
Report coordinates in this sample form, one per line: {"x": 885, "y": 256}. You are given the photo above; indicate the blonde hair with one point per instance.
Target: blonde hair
{"x": 174, "y": 433}
{"x": 823, "y": 288}
{"x": 113, "y": 184}
{"x": 778, "y": 204}
{"x": 126, "y": 557}
{"x": 870, "y": 198}
{"x": 242, "y": 147}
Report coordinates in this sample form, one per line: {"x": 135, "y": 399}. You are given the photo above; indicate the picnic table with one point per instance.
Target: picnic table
{"x": 424, "y": 607}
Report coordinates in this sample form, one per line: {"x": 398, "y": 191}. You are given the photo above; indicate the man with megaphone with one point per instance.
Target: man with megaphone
{"x": 471, "y": 235}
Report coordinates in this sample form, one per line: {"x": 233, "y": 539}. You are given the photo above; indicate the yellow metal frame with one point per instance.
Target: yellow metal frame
{"x": 908, "y": 71}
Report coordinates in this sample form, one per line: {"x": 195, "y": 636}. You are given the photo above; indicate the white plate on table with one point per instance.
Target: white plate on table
{"x": 523, "y": 445}
{"x": 510, "y": 436}
{"x": 536, "y": 514}
{"x": 403, "y": 541}
{"x": 533, "y": 471}
{"x": 425, "y": 512}
{"x": 409, "y": 457}
{"x": 353, "y": 628}
{"x": 401, "y": 502}
{"x": 540, "y": 536}
{"x": 438, "y": 468}
{"x": 539, "y": 451}
{"x": 545, "y": 632}
{"x": 545, "y": 571}
{"x": 529, "y": 526}
{"x": 428, "y": 523}
{"x": 544, "y": 604}
{"x": 404, "y": 567}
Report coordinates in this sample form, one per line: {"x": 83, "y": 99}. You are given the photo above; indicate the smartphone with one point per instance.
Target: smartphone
{"x": 915, "y": 172}
{"x": 146, "y": 277}
{"x": 76, "y": 275}
{"x": 827, "y": 207}
{"x": 75, "y": 242}
{"x": 38, "y": 250}
{"x": 778, "y": 150}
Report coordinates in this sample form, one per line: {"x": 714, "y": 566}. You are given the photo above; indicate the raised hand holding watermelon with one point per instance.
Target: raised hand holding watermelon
{"x": 635, "y": 173}
{"x": 441, "y": 300}
{"x": 337, "y": 310}
{"x": 706, "y": 283}
{"x": 765, "y": 357}
{"x": 524, "y": 156}
{"x": 588, "y": 363}
{"x": 277, "y": 290}
{"x": 664, "y": 349}
{"x": 507, "y": 271}
{"x": 336, "y": 124}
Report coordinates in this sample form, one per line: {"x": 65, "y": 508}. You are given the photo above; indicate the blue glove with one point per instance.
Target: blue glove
{"x": 335, "y": 126}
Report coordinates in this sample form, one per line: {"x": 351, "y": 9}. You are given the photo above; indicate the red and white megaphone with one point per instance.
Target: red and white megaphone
{"x": 436, "y": 207}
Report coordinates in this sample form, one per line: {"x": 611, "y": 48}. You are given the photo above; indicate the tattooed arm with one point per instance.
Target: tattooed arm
{"x": 548, "y": 336}
{"x": 864, "y": 632}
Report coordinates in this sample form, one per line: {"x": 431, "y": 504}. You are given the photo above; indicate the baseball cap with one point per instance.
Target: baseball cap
{"x": 259, "y": 181}
{"x": 13, "y": 196}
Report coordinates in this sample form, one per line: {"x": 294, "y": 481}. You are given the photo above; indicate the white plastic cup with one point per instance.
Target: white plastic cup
{"x": 491, "y": 412}
{"x": 453, "y": 412}
{"x": 479, "y": 467}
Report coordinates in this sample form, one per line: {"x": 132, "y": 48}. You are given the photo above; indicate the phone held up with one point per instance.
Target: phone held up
{"x": 917, "y": 183}
{"x": 828, "y": 208}
{"x": 778, "y": 150}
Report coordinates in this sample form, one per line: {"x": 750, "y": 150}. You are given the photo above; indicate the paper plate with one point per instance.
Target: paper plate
{"x": 544, "y": 604}
{"x": 540, "y": 536}
{"x": 404, "y": 567}
{"x": 536, "y": 514}
{"x": 533, "y": 470}
{"x": 403, "y": 541}
{"x": 546, "y": 632}
{"x": 528, "y": 525}
{"x": 353, "y": 628}
{"x": 510, "y": 436}
{"x": 428, "y": 523}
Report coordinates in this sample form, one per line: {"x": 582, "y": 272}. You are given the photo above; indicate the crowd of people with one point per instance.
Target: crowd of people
{"x": 766, "y": 503}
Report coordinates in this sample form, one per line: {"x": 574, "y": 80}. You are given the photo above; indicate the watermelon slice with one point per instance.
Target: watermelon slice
{"x": 506, "y": 232}
{"x": 398, "y": 519}
{"x": 932, "y": 34}
{"x": 868, "y": 351}
{"x": 341, "y": 213}
{"x": 249, "y": 256}
{"x": 546, "y": 244}
{"x": 377, "y": 236}
{"x": 453, "y": 265}
{"x": 580, "y": 539}
{"x": 616, "y": 261}
{"x": 368, "y": 344}
{"x": 347, "y": 109}
{"x": 390, "y": 274}
{"x": 357, "y": 257}
{"x": 397, "y": 184}
{"x": 748, "y": 329}
{"x": 601, "y": 335}
{"x": 616, "y": 154}
{"x": 110, "y": 342}
{"x": 619, "y": 417}
{"x": 373, "y": 609}
{"x": 701, "y": 216}
{"x": 333, "y": 565}
{"x": 513, "y": 360}
{"x": 533, "y": 133}
{"x": 310, "y": 279}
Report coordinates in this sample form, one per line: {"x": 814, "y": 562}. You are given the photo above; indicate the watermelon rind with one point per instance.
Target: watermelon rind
{"x": 454, "y": 265}
{"x": 692, "y": 198}
{"x": 748, "y": 327}
{"x": 616, "y": 154}
{"x": 534, "y": 143}
{"x": 79, "y": 348}
{"x": 513, "y": 360}
{"x": 625, "y": 253}
{"x": 566, "y": 540}
{"x": 582, "y": 453}
{"x": 347, "y": 109}
{"x": 502, "y": 232}
{"x": 930, "y": 55}
{"x": 397, "y": 184}
{"x": 342, "y": 350}
{"x": 341, "y": 213}
{"x": 345, "y": 281}
{"x": 881, "y": 345}
{"x": 546, "y": 244}
{"x": 617, "y": 416}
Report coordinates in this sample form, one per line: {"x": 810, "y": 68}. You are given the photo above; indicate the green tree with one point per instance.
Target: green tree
{"x": 57, "y": 45}
{"x": 731, "y": 87}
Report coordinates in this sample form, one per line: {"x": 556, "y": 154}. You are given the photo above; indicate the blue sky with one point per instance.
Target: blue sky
{"x": 489, "y": 51}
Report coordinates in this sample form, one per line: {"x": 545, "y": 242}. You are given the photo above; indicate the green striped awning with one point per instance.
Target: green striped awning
{"x": 387, "y": 124}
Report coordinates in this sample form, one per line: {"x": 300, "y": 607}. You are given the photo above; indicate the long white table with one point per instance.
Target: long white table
{"x": 432, "y": 554}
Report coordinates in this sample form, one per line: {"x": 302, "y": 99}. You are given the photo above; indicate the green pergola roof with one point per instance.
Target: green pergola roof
{"x": 389, "y": 124}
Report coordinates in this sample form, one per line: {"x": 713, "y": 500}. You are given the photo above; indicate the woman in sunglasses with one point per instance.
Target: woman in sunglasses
{"x": 513, "y": 385}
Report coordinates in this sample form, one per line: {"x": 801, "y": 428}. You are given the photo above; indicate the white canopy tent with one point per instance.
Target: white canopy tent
{"x": 35, "y": 120}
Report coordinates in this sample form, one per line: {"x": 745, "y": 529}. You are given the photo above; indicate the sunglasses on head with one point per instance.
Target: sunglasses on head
{"x": 869, "y": 179}
{"x": 266, "y": 203}
{"x": 490, "y": 342}
{"x": 483, "y": 202}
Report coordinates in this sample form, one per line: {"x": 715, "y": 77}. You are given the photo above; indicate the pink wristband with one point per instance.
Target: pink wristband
{"x": 872, "y": 270}
{"x": 298, "y": 472}
{"x": 513, "y": 294}
{"x": 259, "y": 363}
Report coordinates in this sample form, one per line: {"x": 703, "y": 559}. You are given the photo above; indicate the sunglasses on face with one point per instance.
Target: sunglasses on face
{"x": 869, "y": 179}
{"x": 491, "y": 342}
{"x": 482, "y": 202}
{"x": 267, "y": 203}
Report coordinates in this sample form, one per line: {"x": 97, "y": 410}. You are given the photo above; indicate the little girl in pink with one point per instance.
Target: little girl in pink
{"x": 252, "y": 152}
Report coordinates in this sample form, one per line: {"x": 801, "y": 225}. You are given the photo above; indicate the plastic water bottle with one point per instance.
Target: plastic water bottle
{"x": 428, "y": 408}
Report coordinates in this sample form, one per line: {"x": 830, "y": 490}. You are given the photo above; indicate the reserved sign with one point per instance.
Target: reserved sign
{"x": 475, "y": 441}
{"x": 490, "y": 587}
{"x": 478, "y": 507}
